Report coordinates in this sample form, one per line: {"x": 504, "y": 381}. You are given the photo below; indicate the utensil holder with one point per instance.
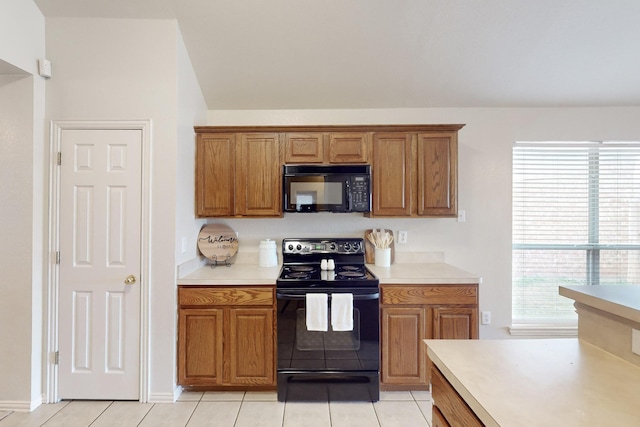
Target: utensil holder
{"x": 383, "y": 257}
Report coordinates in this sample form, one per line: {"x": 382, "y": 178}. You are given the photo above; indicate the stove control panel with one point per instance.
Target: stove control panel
{"x": 323, "y": 246}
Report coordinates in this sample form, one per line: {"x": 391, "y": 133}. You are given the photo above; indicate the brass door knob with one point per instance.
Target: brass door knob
{"x": 130, "y": 280}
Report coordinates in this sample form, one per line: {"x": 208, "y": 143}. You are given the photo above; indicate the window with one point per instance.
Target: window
{"x": 576, "y": 221}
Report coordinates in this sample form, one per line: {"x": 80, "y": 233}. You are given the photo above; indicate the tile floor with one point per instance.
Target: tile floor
{"x": 232, "y": 409}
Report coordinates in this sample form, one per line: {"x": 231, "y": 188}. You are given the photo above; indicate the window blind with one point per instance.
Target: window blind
{"x": 575, "y": 221}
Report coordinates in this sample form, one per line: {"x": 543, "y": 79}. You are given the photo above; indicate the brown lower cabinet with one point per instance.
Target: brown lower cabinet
{"x": 449, "y": 409}
{"x": 226, "y": 337}
{"x": 412, "y": 313}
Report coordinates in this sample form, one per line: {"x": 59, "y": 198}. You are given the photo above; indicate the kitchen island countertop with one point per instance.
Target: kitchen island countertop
{"x": 622, "y": 301}
{"x": 609, "y": 317}
{"x": 540, "y": 382}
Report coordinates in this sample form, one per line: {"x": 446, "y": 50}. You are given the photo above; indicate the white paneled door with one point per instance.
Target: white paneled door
{"x": 100, "y": 264}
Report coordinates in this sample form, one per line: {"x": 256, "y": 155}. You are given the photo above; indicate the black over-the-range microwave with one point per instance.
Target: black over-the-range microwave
{"x": 326, "y": 188}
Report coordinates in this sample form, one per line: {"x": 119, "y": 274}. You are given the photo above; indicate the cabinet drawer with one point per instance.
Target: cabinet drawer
{"x": 437, "y": 419}
{"x": 449, "y": 403}
{"x": 429, "y": 295}
{"x": 212, "y": 296}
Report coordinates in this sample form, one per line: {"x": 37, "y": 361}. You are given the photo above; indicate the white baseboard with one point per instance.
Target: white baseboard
{"x": 20, "y": 405}
{"x": 162, "y": 397}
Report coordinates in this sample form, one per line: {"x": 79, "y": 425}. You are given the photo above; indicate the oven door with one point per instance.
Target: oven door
{"x": 331, "y": 365}
{"x": 316, "y": 193}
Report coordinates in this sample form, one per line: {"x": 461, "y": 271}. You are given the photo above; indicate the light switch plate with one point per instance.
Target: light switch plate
{"x": 485, "y": 318}
{"x": 44, "y": 68}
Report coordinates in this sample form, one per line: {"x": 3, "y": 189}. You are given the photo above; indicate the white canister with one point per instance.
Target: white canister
{"x": 383, "y": 257}
{"x": 268, "y": 257}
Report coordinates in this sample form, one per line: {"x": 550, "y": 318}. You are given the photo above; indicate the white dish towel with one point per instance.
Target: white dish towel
{"x": 342, "y": 312}
{"x": 317, "y": 312}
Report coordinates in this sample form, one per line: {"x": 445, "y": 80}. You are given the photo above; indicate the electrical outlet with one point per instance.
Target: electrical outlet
{"x": 462, "y": 215}
{"x": 486, "y": 318}
{"x": 402, "y": 237}
{"x": 184, "y": 245}
{"x": 635, "y": 341}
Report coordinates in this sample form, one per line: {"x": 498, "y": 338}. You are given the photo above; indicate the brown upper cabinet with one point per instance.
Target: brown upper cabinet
{"x": 348, "y": 147}
{"x": 415, "y": 174}
{"x": 304, "y": 148}
{"x": 238, "y": 174}
{"x": 258, "y": 175}
{"x": 215, "y": 174}
{"x": 414, "y": 168}
{"x": 392, "y": 179}
{"x": 437, "y": 174}
{"x": 333, "y": 147}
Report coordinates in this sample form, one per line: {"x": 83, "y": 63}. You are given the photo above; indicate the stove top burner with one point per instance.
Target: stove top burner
{"x": 351, "y": 274}
{"x": 302, "y": 260}
{"x": 298, "y": 275}
{"x": 305, "y": 268}
{"x": 312, "y": 275}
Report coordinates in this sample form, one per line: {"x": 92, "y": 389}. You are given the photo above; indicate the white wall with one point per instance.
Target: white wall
{"x": 22, "y": 224}
{"x": 191, "y": 110}
{"x": 482, "y": 244}
{"x": 21, "y": 34}
{"x": 128, "y": 69}
{"x": 16, "y": 134}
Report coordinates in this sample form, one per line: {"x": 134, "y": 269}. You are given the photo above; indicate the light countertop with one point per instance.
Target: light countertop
{"x": 555, "y": 382}
{"x": 250, "y": 273}
{"x": 236, "y": 275}
{"x": 609, "y": 317}
{"x": 433, "y": 273}
{"x": 623, "y": 301}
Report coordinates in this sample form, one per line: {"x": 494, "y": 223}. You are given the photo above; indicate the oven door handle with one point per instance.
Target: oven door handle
{"x": 300, "y": 295}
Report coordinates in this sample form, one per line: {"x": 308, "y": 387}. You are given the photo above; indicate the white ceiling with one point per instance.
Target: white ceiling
{"x": 300, "y": 54}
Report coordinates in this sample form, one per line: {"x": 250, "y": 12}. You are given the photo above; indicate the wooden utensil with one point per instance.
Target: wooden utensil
{"x": 370, "y": 237}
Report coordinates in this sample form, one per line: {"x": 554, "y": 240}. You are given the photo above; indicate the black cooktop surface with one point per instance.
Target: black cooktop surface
{"x": 311, "y": 275}
{"x": 304, "y": 260}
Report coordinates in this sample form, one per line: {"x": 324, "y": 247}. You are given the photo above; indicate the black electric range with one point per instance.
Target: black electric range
{"x": 327, "y": 365}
